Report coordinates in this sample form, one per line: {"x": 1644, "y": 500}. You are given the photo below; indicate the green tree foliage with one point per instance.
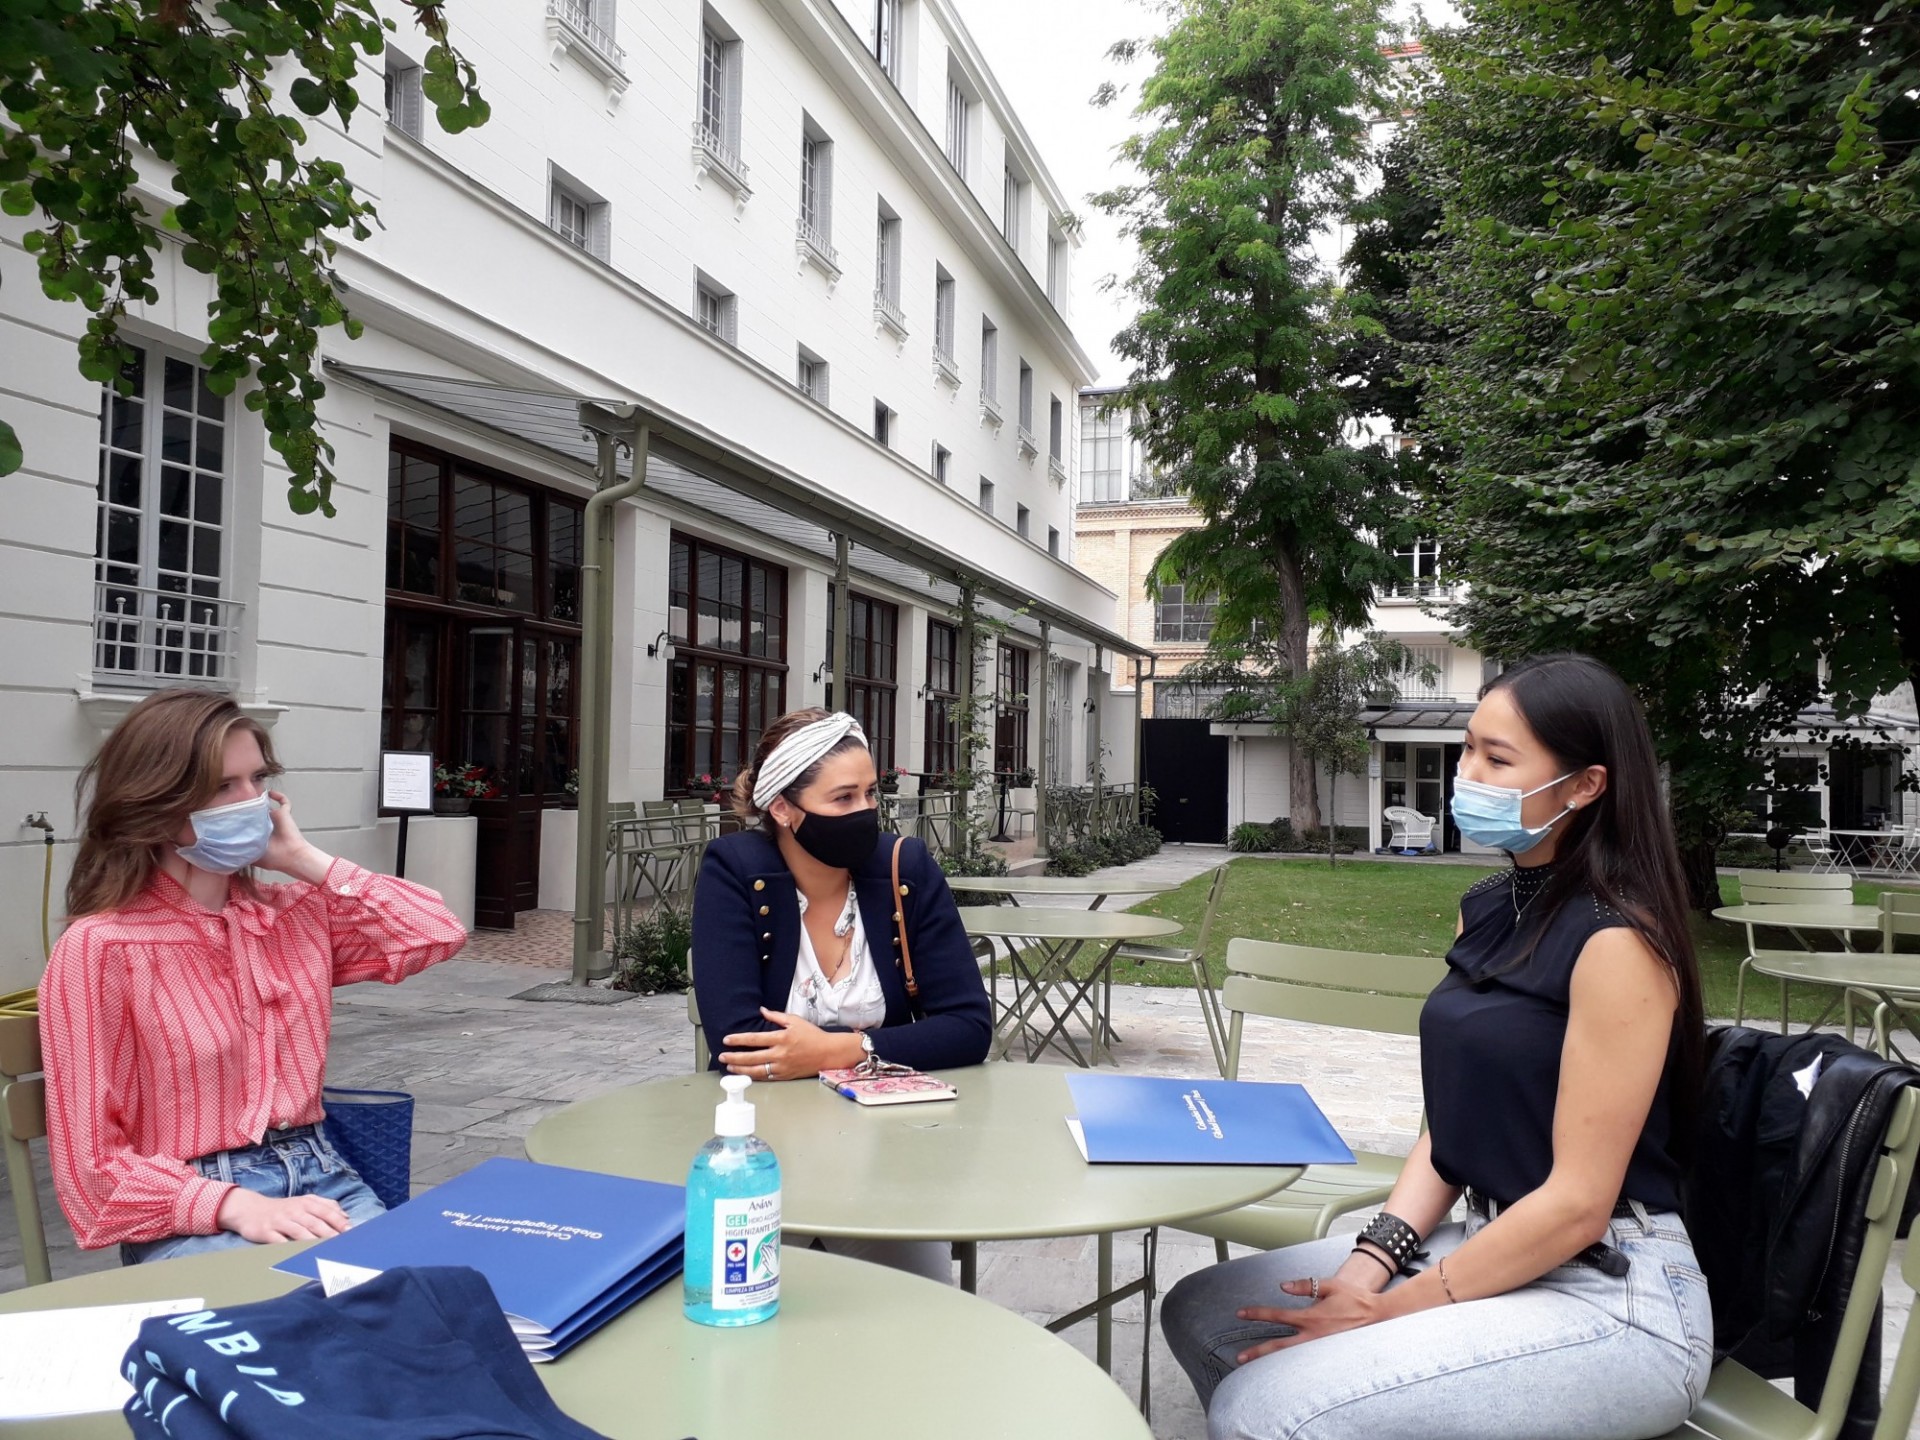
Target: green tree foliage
{"x": 110, "y": 103}
{"x": 1256, "y": 132}
{"x": 1677, "y": 263}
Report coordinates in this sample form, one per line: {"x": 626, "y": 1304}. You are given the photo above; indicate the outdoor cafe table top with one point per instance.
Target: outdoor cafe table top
{"x": 653, "y": 1373}
{"x": 1035, "y": 922}
{"x": 1803, "y": 917}
{"x": 996, "y": 1164}
{"x": 1060, "y": 884}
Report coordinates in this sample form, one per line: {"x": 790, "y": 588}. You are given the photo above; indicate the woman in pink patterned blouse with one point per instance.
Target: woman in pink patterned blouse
{"x": 185, "y": 1012}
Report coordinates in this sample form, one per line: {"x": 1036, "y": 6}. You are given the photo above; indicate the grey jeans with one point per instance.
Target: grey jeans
{"x": 1575, "y": 1355}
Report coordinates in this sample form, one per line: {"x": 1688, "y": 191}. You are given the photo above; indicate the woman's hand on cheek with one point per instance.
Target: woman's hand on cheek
{"x": 288, "y": 851}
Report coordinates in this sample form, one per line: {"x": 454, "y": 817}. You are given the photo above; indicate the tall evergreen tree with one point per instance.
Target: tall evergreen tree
{"x": 1256, "y": 133}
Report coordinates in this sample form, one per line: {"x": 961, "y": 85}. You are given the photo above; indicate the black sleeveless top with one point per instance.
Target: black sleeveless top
{"x": 1490, "y": 1041}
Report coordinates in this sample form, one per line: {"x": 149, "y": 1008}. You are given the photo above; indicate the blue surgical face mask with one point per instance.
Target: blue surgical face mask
{"x": 1490, "y": 814}
{"x": 228, "y": 838}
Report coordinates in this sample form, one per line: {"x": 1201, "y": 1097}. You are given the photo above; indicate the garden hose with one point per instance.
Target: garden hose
{"x": 38, "y": 821}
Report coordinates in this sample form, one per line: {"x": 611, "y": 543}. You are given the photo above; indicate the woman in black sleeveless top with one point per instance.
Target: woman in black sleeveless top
{"x": 1557, "y": 1058}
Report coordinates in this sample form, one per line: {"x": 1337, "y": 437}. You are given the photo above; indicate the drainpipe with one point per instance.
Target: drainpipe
{"x": 1041, "y": 770}
{"x": 842, "y": 626}
{"x": 965, "y": 754}
{"x": 1095, "y": 699}
{"x": 590, "y": 960}
{"x": 1142, "y": 670}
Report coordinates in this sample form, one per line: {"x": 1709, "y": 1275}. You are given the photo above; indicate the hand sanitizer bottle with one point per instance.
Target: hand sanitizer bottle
{"x": 733, "y": 1220}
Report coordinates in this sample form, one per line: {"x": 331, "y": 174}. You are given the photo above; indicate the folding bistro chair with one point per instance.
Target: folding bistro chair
{"x": 1382, "y": 993}
{"x": 23, "y": 1117}
{"x": 1195, "y": 959}
{"x": 1739, "y": 1405}
{"x": 1783, "y": 887}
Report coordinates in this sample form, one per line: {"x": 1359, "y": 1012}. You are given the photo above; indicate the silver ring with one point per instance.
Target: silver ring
{"x": 769, "y": 1069}
{"x": 1314, "y": 1290}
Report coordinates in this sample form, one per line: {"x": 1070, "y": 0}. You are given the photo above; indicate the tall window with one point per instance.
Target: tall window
{"x": 1103, "y": 455}
{"x": 1178, "y": 620}
{"x": 159, "y": 550}
{"x": 942, "y": 462}
{"x": 873, "y": 658}
{"x": 720, "y": 89}
{"x": 1010, "y": 709}
{"x": 1420, "y": 561}
{"x": 816, "y": 186}
{"x": 1013, "y": 197}
{"x": 959, "y": 109}
{"x": 1056, "y": 427}
{"x": 943, "y": 698}
{"x": 577, "y": 215}
{"x": 1026, "y": 397}
{"x": 943, "y": 313}
{"x": 886, "y": 268}
{"x": 986, "y": 495}
{"x": 882, "y": 422}
{"x": 1023, "y": 522}
{"x": 989, "y": 360}
{"x": 403, "y": 95}
{"x": 1053, "y": 542}
{"x": 727, "y": 616}
{"x": 886, "y": 37}
{"x": 1056, "y": 269}
{"x": 483, "y": 621}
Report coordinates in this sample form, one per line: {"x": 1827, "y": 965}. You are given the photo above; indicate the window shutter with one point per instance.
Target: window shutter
{"x": 600, "y": 231}
{"x": 732, "y": 98}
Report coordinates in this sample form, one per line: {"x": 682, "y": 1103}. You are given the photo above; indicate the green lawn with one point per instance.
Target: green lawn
{"x": 1403, "y": 908}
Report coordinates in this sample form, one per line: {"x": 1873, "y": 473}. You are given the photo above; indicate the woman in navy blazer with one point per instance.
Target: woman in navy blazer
{"x": 812, "y": 792}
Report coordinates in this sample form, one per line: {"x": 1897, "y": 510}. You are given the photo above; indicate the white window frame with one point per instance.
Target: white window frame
{"x": 814, "y": 227}
{"x": 888, "y": 37}
{"x": 155, "y": 624}
{"x": 402, "y": 95}
{"x": 577, "y": 215}
{"x": 1056, "y": 266}
{"x": 1023, "y": 522}
{"x": 1053, "y": 542}
{"x": 989, "y": 371}
{"x": 716, "y": 309}
{"x": 586, "y": 29}
{"x": 812, "y": 375}
{"x": 717, "y": 98}
{"x": 942, "y": 462}
{"x": 884, "y": 417}
{"x": 959, "y": 123}
{"x": 1013, "y": 200}
{"x": 1023, "y": 425}
{"x": 986, "y": 496}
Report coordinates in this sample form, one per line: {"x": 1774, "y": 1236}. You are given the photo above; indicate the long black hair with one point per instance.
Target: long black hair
{"x": 1620, "y": 848}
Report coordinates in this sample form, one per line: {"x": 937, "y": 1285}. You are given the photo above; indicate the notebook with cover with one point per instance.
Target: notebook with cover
{"x": 565, "y": 1250}
{"x": 913, "y": 1088}
{"x": 1147, "y": 1120}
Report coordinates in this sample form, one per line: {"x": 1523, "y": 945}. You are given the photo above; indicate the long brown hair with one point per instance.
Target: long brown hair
{"x": 779, "y": 730}
{"x": 160, "y": 764}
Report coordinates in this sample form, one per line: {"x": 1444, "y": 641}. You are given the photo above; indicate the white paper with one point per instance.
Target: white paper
{"x": 406, "y": 780}
{"x": 1806, "y": 1079}
{"x": 68, "y": 1362}
{"x": 335, "y": 1277}
{"x": 1079, "y": 1137}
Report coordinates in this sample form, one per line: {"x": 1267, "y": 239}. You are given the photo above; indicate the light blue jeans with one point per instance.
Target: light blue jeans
{"x": 286, "y": 1163}
{"x": 1575, "y": 1355}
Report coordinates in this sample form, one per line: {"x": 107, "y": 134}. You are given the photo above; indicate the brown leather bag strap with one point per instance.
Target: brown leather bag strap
{"x": 900, "y": 921}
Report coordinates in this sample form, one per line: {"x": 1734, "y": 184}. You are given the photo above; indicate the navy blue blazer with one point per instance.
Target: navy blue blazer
{"x": 746, "y": 945}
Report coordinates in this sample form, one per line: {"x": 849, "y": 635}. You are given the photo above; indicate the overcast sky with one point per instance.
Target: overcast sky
{"x": 1049, "y": 57}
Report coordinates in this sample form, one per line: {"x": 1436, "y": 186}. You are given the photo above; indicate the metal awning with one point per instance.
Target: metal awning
{"x": 1405, "y": 715}
{"x": 695, "y": 468}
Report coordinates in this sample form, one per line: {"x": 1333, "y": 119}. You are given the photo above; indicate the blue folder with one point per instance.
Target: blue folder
{"x": 1147, "y": 1120}
{"x": 564, "y": 1250}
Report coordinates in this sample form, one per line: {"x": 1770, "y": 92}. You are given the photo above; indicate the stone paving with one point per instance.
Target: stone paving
{"x": 485, "y": 1067}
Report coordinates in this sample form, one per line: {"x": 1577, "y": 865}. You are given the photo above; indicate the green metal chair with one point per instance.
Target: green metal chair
{"x": 1784, "y": 887}
{"x": 23, "y": 1117}
{"x": 1903, "y": 1386}
{"x": 1739, "y": 1405}
{"x": 1382, "y": 993}
{"x": 1195, "y": 959}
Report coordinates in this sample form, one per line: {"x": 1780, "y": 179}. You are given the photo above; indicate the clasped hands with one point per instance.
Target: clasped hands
{"x": 795, "y": 1050}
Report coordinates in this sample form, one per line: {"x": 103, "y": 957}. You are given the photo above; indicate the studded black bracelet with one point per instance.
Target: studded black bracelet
{"x": 1398, "y": 1240}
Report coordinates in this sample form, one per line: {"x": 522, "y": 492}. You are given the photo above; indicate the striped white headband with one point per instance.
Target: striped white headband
{"x": 799, "y": 752}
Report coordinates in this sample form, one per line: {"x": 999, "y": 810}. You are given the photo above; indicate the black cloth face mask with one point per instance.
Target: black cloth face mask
{"x": 845, "y": 842}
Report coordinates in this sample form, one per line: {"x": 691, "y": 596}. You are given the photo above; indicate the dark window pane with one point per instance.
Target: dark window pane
{"x": 129, "y": 421}
{"x": 516, "y": 582}
{"x": 206, "y": 499}
{"x": 179, "y": 384}
{"x": 206, "y": 551}
{"x": 422, "y": 575}
{"x": 513, "y": 521}
{"x": 176, "y": 485}
{"x": 420, "y": 666}
{"x": 123, "y": 480}
{"x": 211, "y": 447}
{"x": 173, "y": 546}
{"x": 473, "y": 572}
{"x": 176, "y": 438}
{"x": 472, "y": 507}
{"x": 210, "y": 403}
{"x": 396, "y": 484}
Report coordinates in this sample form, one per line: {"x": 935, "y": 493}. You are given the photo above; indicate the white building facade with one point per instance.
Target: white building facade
{"x": 811, "y": 231}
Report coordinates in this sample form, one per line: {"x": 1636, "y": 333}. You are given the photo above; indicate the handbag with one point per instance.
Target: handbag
{"x": 900, "y": 923}
{"x": 373, "y": 1132}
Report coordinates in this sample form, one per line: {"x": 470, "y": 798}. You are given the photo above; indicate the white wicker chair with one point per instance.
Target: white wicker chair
{"x": 1412, "y": 831}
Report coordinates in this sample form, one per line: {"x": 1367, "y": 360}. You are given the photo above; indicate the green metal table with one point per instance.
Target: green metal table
{"x": 852, "y": 1340}
{"x": 1042, "y": 946}
{"x": 1056, "y": 887}
{"x": 1840, "y": 919}
{"x": 996, "y": 1164}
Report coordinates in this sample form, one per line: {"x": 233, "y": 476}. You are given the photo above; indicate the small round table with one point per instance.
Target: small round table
{"x": 996, "y": 1164}
{"x": 1052, "y": 887}
{"x": 1841, "y": 919}
{"x": 1039, "y": 974}
{"x": 851, "y": 1340}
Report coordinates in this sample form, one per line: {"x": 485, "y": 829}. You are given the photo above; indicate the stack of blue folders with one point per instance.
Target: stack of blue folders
{"x": 564, "y": 1250}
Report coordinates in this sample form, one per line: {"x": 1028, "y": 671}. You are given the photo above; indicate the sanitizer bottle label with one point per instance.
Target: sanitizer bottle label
{"x": 746, "y": 1252}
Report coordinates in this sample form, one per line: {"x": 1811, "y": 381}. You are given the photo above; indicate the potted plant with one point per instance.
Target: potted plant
{"x": 709, "y": 787}
{"x": 456, "y": 787}
{"x": 570, "y": 792}
{"x": 890, "y": 779}
{"x": 1022, "y": 780}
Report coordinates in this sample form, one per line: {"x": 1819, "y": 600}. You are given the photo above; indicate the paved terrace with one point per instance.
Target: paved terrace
{"x": 485, "y": 1067}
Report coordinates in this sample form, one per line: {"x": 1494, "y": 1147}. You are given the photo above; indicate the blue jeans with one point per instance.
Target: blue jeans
{"x": 1575, "y": 1355}
{"x": 284, "y": 1164}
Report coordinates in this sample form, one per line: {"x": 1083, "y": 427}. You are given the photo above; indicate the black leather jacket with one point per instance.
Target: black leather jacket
{"x": 1775, "y": 1202}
